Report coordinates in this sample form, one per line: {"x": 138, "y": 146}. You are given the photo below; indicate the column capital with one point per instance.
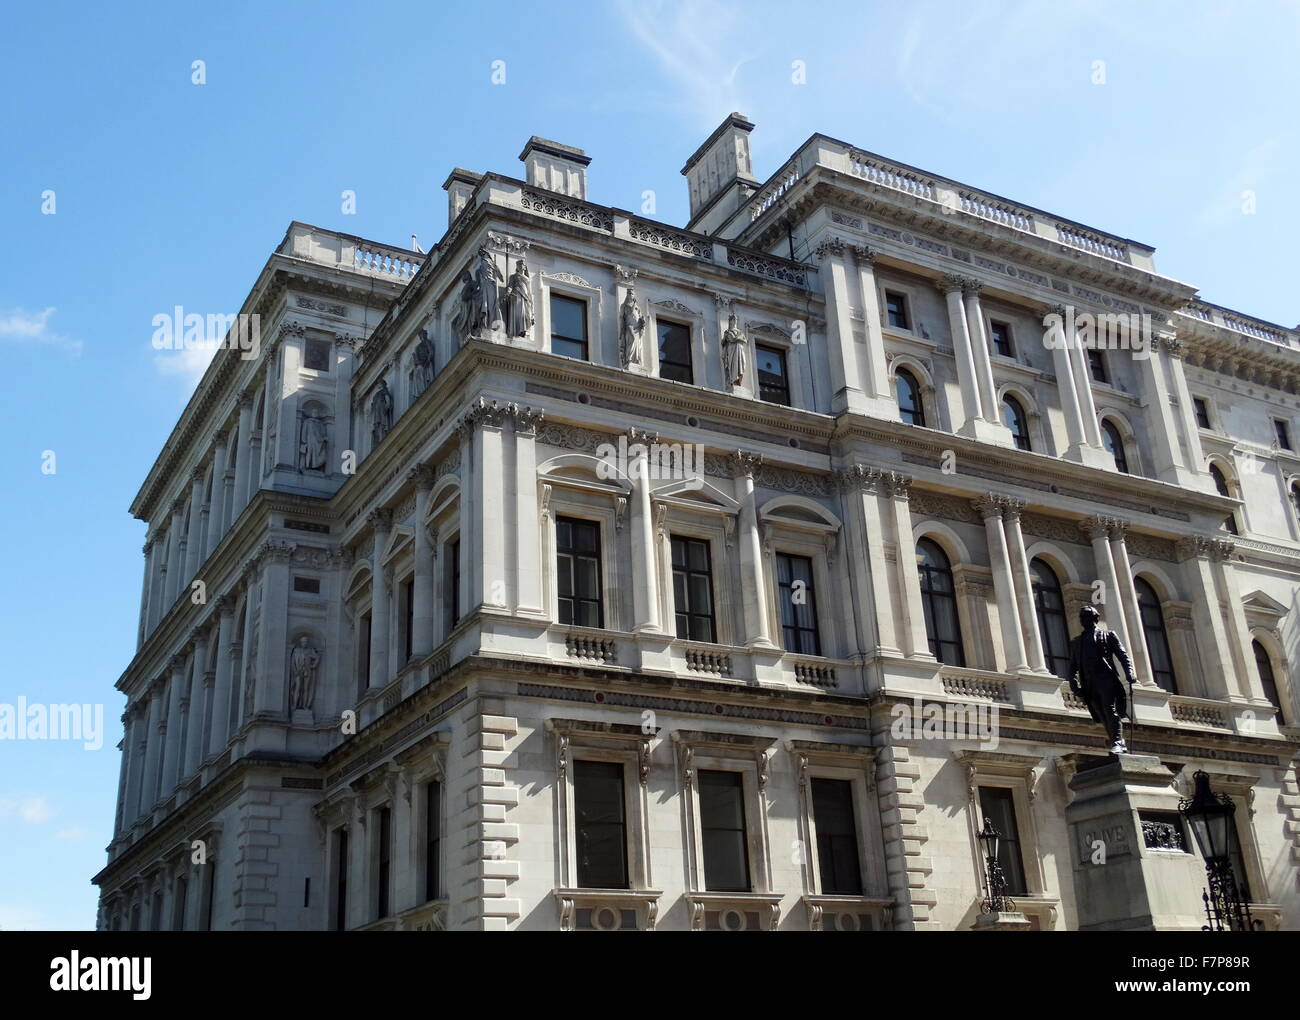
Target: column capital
{"x": 177, "y": 663}
{"x": 178, "y": 506}
{"x": 480, "y": 413}
{"x": 989, "y": 505}
{"x": 971, "y": 286}
{"x": 1012, "y": 508}
{"x": 1116, "y": 529}
{"x": 245, "y": 401}
{"x": 219, "y": 437}
{"x": 746, "y": 462}
{"x": 865, "y": 256}
{"x": 642, "y": 437}
{"x": 1095, "y": 527}
{"x": 949, "y": 282}
{"x": 1192, "y": 547}
{"x": 422, "y": 477}
{"x": 380, "y": 518}
{"x": 896, "y": 484}
{"x": 832, "y": 247}
{"x": 1221, "y": 549}
{"x": 527, "y": 419}
{"x": 199, "y": 474}
{"x": 858, "y": 476}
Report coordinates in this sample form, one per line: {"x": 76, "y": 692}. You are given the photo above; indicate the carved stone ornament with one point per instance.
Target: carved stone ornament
{"x": 303, "y": 663}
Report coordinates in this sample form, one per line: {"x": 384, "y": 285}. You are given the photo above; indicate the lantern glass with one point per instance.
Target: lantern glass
{"x": 1210, "y": 819}
{"x": 991, "y": 839}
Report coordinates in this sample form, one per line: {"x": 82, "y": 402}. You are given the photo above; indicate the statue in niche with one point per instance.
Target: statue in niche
{"x": 519, "y": 301}
{"x": 302, "y": 674}
{"x": 381, "y": 412}
{"x": 1095, "y": 680}
{"x": 631, "y": 324}
{"x": 422, "y": 371}
{"x": 462, "y": 322}
{"x": 487, "y": 310}
{"x": 313, "y": 444}
{"x": 734, "y": 353}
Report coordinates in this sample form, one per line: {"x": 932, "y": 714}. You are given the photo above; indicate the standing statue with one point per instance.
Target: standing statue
{"x": 422, "y": 372}
{"x": 381, "y": 412}
{"x": 313, "y": 444}
{"x": 519, "y": 301}
{"x": 462, "y": 322}
{"x": 1095, "y": 680}
{"x": 631, "y": 323}
{"x": 487, "y": 309}
{"x": 302, "y": 674}
{"x": 734, "y": 353}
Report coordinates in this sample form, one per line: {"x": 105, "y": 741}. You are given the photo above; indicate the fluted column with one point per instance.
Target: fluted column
{"x": 175, "y": 558}
{"x": 1249, "y": 685}
{"x": 201, "y": 686}
{"x": 645, "y": 576}
{"x": 243, "y": 456}
{"x": 1190, "y": 431}
{"x": 874, "y": 364}
{"x": 1098, "y": 531}
{"x": 194, "y": 539}
{"x": 176, "y": 693}
{"x": 381, "y": 520}
{"x": 132, "y": 758}
{"x": 1083, "y": 385}
{"x": 754, "y": 583}
{"x": 157, "y": 579}
{"x": 967, "y": 373}
{"x": 1060, "y": 339}
{"x": 422, "y": 592}
{"x": 147, "y": 590}
{"x": 155, "y": 733}
{"x": 217, "y": 506}
{"x": 842, "y": 354}
{"x": 868, "y": 568}
{"x": 1024, "y": 585}
{"x": 912, "y": 634}
{"x": 980, "y": 351}
{"x": 1013, "y": 642}
{"x": 122, "y": 770}
{"x": 484, "y": 423}
{"x": 1213, "y": 645}
{"x": 1115, "y": 532}
{"x": 528, "y": 528}
{"x": 218, "y": 734}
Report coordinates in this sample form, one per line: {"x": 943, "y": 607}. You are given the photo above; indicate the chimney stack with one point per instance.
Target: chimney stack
{"x": 556, "y": 167}
{"x": 720, "y": 175}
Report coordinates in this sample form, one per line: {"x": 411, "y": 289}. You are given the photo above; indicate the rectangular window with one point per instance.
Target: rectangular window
{"x": 432, "y": 838}
{"x": 569, "y": 327}
{"x": 408, "y": 618}
{"x": 307, "y": 585}
{"x": 896, "y": 310}
{"x": 997, "y": 804}
{"x": 363, "y": 654}
{"x": 384, "y": 860}
{"x": 340, "y": 879}
{"x": 1097, "y": 365}
{"x": 797, "y": 602}
{"x": 773, "y": 380}
{"x": 598, "y": 811}
{"x": 209, "y": 895}
{"x": 693, "y": 589}
{"x": 577, "y": 568}
{"x": 722, "y": 828}
{"x": 675, "y": 351}
{"x": 1238, "y": 861}
{"x": 316, "y": 356}
{"x": 1202, "y": 409}
{"x": 1283, "y": 432}
{"x": 837, "y": 837}
{"x": 178, "y": 906}
{"x": 1000, "y": 333}
{"x": 453, "y": 584}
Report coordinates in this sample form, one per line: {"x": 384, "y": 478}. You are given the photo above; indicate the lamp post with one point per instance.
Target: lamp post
{"x": 1211, "y": 818}
{"x": 997, "y": 899}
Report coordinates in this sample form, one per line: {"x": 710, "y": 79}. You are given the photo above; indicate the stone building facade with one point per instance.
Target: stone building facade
{"x": 585, "y": 572}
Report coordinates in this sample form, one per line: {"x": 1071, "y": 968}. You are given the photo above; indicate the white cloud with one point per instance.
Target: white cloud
{"x": 1245, "y": 191}
{"x": 32, "y": 808}
{"x": 186, "y": 364}
{"x": 21, "y": 326}
{"x": 73, "y": 833}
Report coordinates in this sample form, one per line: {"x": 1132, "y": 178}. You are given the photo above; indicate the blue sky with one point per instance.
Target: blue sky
{"x": 169, "y": 193}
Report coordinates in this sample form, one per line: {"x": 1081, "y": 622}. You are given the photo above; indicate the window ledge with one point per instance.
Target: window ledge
{"x": 849, "y": 913}
{"x": 735, "y": 911}
{"x": 604, "y": 909}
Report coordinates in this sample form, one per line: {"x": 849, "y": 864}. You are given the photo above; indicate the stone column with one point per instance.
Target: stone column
{"x": 466, "y": 518}
{"x": 1249, "y": 685}
{"x": 422, "y": 592}
{"x": 867, "y": 566}
{"x": 200, "y": 721}
{"x": 1191, "y": 432}
{"x": 645, "y": 587}
{"x": 1013, "y": 643}
{"x": 175, "y": 558}
{"x": 123, "y": 746}
{"x": 911, "y": 629}
{"x": 243, "y": 456}
{"x": 1115, "y": 531}
{"x": 218, "y": 733}
{"x": 980, "y": 349}
{"x": 875, "y": 366}
{"x": 194, "y": 539}
{"x": 1162, "y": 426}
{"x": 841, "y": 354}
{"x": 146, "y": 592}
{"x": 131, "y": 766}
{"x": 754, "y": 583}
{"x": 273, "y": 670}
{"x": 157, "y": 579}
{"x": 1061, "y": 344}
{"x": 1033, "y": 638}
{"x": 487, "y": 581}
{"x": 1098, "y": 531}
{"x": 967, "y": 374}
{"x": 177, "y": 690}
{"x": 1083, "y": 385}
{"x": 217, "y": 512}
{"x": 381, "y": 521}
{"x": 155, "y": 733}
{"x": 1212, "y": 643}
{"x": 528, "y": 529}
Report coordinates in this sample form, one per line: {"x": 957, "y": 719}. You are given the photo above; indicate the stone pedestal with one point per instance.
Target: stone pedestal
{"x": 1002, "y": 920}
{"x": 1120, "y": 883}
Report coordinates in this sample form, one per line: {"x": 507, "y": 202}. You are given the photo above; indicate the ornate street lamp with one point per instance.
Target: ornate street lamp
{"x": 997, "y": 899}
{"x": 1211, "y": 818}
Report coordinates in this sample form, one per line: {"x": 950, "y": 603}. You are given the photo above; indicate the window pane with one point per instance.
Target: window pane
{"x": 601, "y": 841}
{"x": 675, "y": 351}
{"x": 837, "y": 837}
{"x": 722, "y": 826}
{"x": 568, "y": 327}
{"x": 998, "y": 806}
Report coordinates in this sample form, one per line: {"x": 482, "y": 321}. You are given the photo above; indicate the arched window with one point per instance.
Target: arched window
{"x": 1221, "y": 487}
{"x": 1114, "y": 443}
{"x": 910, "y": 408}
{"x": 1295, "y": 497}
{"x": 1153, "y": 629}
{"x": 938, "y": 597}
{"x": 1013, "y": 416}
{"x": 1265, "y": 666}
{"x": 1049, "y": 604}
